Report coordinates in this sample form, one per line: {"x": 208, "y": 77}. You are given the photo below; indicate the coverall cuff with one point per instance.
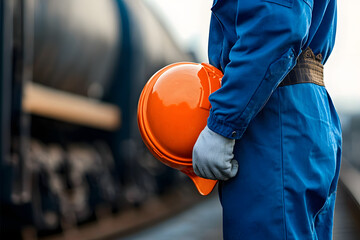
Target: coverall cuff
{"x": 223, "y": 128}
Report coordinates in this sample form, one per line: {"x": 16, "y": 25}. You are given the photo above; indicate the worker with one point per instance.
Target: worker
{"x": 273, "y": 136}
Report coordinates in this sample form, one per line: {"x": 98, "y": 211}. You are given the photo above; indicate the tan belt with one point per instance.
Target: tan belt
{"x": 307, "y": 70}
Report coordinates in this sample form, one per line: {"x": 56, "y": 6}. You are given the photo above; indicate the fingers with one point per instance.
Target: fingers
{"x": 196, "y": 170}
{"x": 234, "y": 168}
{"x": 205, "y": 172}
{"x": 212, "y": 156}
{"x": 208, "y": 173}
{"x": 216, "y": 172}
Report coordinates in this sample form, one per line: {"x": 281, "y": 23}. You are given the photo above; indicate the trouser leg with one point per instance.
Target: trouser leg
{"x": 288, "y": 167}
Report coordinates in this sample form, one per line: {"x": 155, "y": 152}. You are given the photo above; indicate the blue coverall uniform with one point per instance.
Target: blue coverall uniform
{"x": 288, "y": 138}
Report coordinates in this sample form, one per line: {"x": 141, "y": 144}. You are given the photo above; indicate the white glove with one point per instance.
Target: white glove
{"x": 213, "y": 156}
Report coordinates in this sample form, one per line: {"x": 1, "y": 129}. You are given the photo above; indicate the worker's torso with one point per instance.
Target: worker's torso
{"x": 320, "y": 39}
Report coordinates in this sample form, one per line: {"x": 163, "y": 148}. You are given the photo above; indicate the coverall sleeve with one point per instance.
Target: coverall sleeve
{"x": 269, "y": 37}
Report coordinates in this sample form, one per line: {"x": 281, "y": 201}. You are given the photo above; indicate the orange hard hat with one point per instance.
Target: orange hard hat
{"x": 172, "y": 111}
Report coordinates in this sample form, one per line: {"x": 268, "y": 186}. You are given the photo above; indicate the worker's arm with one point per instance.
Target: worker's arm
{"x": 269, "y": 36}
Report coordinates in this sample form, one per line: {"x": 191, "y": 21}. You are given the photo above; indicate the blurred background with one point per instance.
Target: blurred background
{"x": 72, "y": 162}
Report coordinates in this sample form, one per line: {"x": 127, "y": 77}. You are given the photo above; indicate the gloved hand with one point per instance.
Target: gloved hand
{"x": 213, "y": 156}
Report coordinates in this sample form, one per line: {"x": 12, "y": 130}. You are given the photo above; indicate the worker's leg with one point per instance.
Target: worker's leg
{"x": 288, "y": 168}
{"x": 324, "y": 219}
{"x": 253, "y": 200}
{"x": 311, "y": 157}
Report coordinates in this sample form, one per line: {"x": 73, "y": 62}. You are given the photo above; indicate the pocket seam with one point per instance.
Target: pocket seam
{"x": 323, "y": 207}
